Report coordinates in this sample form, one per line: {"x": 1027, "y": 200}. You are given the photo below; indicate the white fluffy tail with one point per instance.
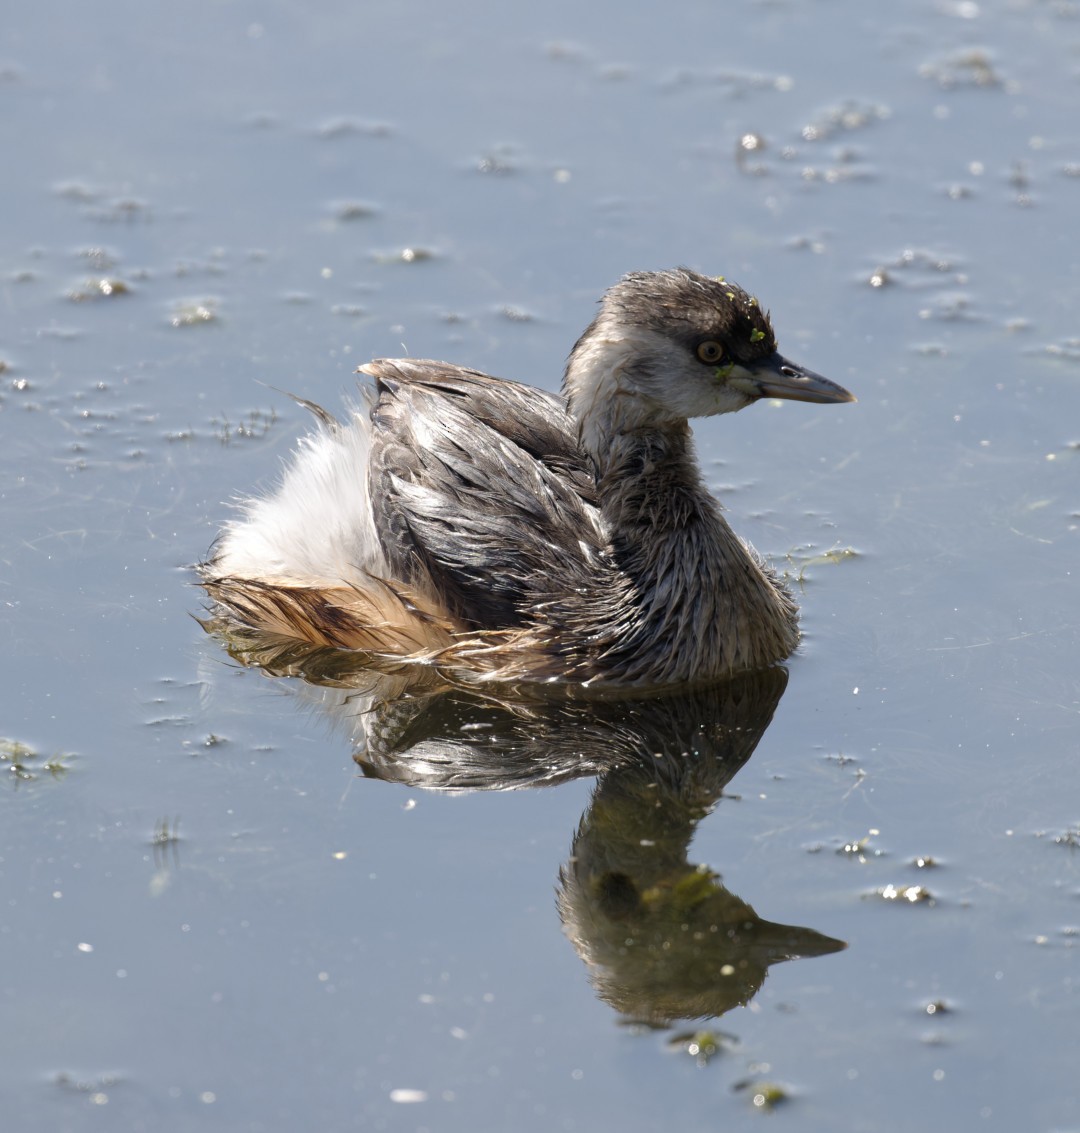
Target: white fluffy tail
{"x": 318, "y": 525}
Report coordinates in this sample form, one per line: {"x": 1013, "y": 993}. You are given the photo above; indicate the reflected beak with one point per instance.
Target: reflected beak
{"x": 775, "y": 376}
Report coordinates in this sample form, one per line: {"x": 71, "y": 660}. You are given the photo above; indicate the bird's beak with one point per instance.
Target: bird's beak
{"x": 775, "y": 376}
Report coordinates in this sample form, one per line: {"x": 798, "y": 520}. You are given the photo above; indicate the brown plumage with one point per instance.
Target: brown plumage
{"x": 502, "y": 532}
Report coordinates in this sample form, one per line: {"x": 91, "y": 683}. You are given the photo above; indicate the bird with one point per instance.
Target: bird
{"x": 499, "y": 532}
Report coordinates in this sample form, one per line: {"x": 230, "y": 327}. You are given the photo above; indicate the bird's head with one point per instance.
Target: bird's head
{"x": 670, "y": 345}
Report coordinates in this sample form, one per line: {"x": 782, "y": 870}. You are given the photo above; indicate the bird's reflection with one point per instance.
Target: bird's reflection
{"x": 662, "y": 938}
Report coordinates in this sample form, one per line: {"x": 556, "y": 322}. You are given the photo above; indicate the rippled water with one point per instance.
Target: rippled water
{"x": 213, "y": 916}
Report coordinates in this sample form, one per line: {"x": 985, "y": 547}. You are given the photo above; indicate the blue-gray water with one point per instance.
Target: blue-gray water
{"x": 307, "y": 948}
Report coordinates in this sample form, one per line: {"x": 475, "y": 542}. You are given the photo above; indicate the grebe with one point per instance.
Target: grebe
{"x": 501, "y": 532}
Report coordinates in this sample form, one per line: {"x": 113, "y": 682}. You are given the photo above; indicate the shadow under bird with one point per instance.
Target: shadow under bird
{"x": 499, "y": 532}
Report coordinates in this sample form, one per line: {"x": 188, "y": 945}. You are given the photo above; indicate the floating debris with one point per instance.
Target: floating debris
{"x": 1068, "y": 348}
{"x": 1021, "y": 183}
{"x": 500, "y": 162}
{"x": 703, "y": 1045}
{"x": 916, "y": 268}
{"x": 254, "y": 426}
{"x": 845, "y": 167}
{"x": 832, "y": 556}
{"x": 104, "y": 288}
{"x": 344, "y": 127}
{"x": 405, "y": 1096}
{"x": 1069, "y": 838}
{"x": 840, "y": 759}
{"x": 348, "y": 211}
{"x": 100, "y": 259}
{"x": 164, "y": 834}
{"x": 95, "y": 1087}
{"x": 912, "y": 894}
{"x": 971, "y": 68}
{"x": 732, "y": 83}
{"x": 120, "y": 210}
{"x": 804, "y": 561}
{"x": 955, "y": 308}
{"x": 165, "y": 843}
{"x": 78, "y": 191}
{"x": 515, "y": 314}
{"x": 764, "y": 1095}
{"x": 844, "y": 117}
{"x": 959, "y": 192}
{"x": 1068, "y": 935}
{"x": 411, "y": 255}
{"x": 748, "y": 148}
{"x": 859, "y": 850}
{"x": 194, "y": 314}
{"x": 25, "y": 764}
{"x": 815, "y": 244}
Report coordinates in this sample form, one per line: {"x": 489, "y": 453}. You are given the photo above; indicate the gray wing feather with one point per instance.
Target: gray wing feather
{"x": 480, "y": 488}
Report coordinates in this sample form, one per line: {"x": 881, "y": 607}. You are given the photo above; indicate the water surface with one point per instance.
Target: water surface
{"x": 212, "y": 919}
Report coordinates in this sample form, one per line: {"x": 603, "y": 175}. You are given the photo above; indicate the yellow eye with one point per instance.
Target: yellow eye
{"x": 710, "y": 352}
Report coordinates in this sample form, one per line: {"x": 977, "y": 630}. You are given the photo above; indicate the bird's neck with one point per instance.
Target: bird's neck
{"x": 643, "y": 458}
{"x": 703, "y": 601}
{"x": 603, "y": 397}
{"x": 662, "y": 520}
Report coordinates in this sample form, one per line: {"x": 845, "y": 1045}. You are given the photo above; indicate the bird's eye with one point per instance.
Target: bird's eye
{"x": 710, "y": 352}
